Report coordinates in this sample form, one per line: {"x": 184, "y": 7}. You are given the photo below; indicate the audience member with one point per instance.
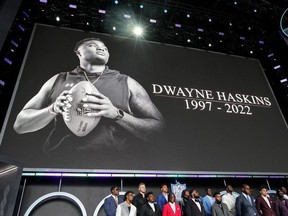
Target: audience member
{"x": 245, "y": 203}
{"x": 139, "y": 199}
{"x": 208, "y": 201}
{"x": 183, "y": 202}
{"x": 150, "y": 208}
{"x": 194, "y": 207}
{"x": 171, "y": 208}
{"x": 126, "y": 208}
{"x": 230, "y": 199}
{"x": 264, "y": 205}
{"x": 111, "y": 202}
{"x": 219, "y": 208}
{"x": 162, "y": 198}
{"x": 284, "y": 191}
{"x": 281, "y": 204}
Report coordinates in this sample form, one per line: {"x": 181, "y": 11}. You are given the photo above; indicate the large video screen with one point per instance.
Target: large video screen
{"x": 155, "y": 107}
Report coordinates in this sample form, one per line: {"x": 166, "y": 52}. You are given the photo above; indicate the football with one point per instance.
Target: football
{"x": 76, "y": 117}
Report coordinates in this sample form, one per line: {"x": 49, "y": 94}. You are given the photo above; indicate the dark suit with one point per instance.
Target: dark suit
{"x": 161, "y": 201}
{"x": 222, "y": 210}
{"x": 139, "y": 201}
{"x": 263, "y": 208}
{"x": 281, "y": 207}
{"x": 244, "y": 207}
{"x": 110, "y": 205}
{"x": 193, "y": 210}
{"x": 146, "y": 210}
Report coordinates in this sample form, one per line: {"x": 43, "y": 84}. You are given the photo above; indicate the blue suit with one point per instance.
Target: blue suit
{"x": 244, "y": 207}
{"x": 110, "y": 205}
{"x": 161, "y": 201}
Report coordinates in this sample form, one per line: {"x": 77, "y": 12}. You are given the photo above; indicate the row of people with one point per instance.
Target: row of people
{"x": 229, "y": 204}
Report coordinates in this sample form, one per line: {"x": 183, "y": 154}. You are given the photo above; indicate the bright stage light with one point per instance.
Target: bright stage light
{"x": 138, "y": 31}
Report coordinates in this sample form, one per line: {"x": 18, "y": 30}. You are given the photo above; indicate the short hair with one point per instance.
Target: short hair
{"x": 141, "y": 184}
{"x": 206, "y": 189}
{"x": 191, "y": 191}
{"x": 127, "y": 192}
{"x": 263, "y": 187}
{"x": 113, "y": 187}
{"x": 227, "y": 186}
{"x": 216, "y": 193}
{"x": 148, "y": 194}
{"x": 244, "y": 185}
{"x": 81, "y": 42}
{"x": 163, "y": 185}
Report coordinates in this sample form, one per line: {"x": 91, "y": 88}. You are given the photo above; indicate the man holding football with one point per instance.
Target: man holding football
{"x": 122, "y": 104}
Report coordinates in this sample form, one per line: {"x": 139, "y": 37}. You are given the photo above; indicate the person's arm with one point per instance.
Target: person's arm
{"x": 165, "y": 210}
{"x": 238, "y": 206}
{"x": 188, "y": 207}
{"x": 205, "y": 205}
{"x": 213, "y": 211}
{"x": 258, "y": 206}
{"x": 147, "y": 120}
{"x": 36, "y": 114}
{"x": 143, "y": 210}
{"x": 118, "y": 210}
{"x": 160, "y": 202}
{"x": 107, "y": 207}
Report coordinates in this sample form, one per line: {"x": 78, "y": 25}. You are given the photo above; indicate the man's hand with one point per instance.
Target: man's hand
{"x": 62, "y": 102}
{"x": 101, "y": 104}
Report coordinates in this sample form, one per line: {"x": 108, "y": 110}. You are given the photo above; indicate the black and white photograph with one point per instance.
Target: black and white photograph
{"x": 97, "y": 101}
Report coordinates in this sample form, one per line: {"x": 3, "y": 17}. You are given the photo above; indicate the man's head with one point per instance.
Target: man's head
{"x": 92, "y": 51}
{"x": 280, "y": 194}
{"x": 115, "y": 190}
{"x": 142, "y": 188}
{"x": 284, "y": 190}
{"x": 194, "y": 194}
{"x": 208, "y": 191}
{"x": 218, "y": 197}
{"x": 229, "y": 189}
{"x": 150, "y": 197}
{"x": 246, "y": 189}
{"x": 164, "y": 188}
{"x": 185, "y": 193}
{"x": 263, "y": 190}
{"x": 129, "y": 195}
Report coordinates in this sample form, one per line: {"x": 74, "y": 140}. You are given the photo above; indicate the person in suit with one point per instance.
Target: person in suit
{"x": 150, "y": 208}
{"x": 264, "y": 204}
{"x": 194, "y": 206}
{"x": 126, "y": 208}
{"x": 185, "y": 196}
{"x": 245, "y": 203}
{"x": 139, "y": 199}
{"x": 230, "y": 199}
{"x": 162, "y": 198}
{"x": 219, "y": 208}
{"x": 284, "y": 191}
{"x": 111, "y": 202}
{"x": 281, "y": 204}
{"x": 171, "y": 208}
{"x": 208, "y": 201}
